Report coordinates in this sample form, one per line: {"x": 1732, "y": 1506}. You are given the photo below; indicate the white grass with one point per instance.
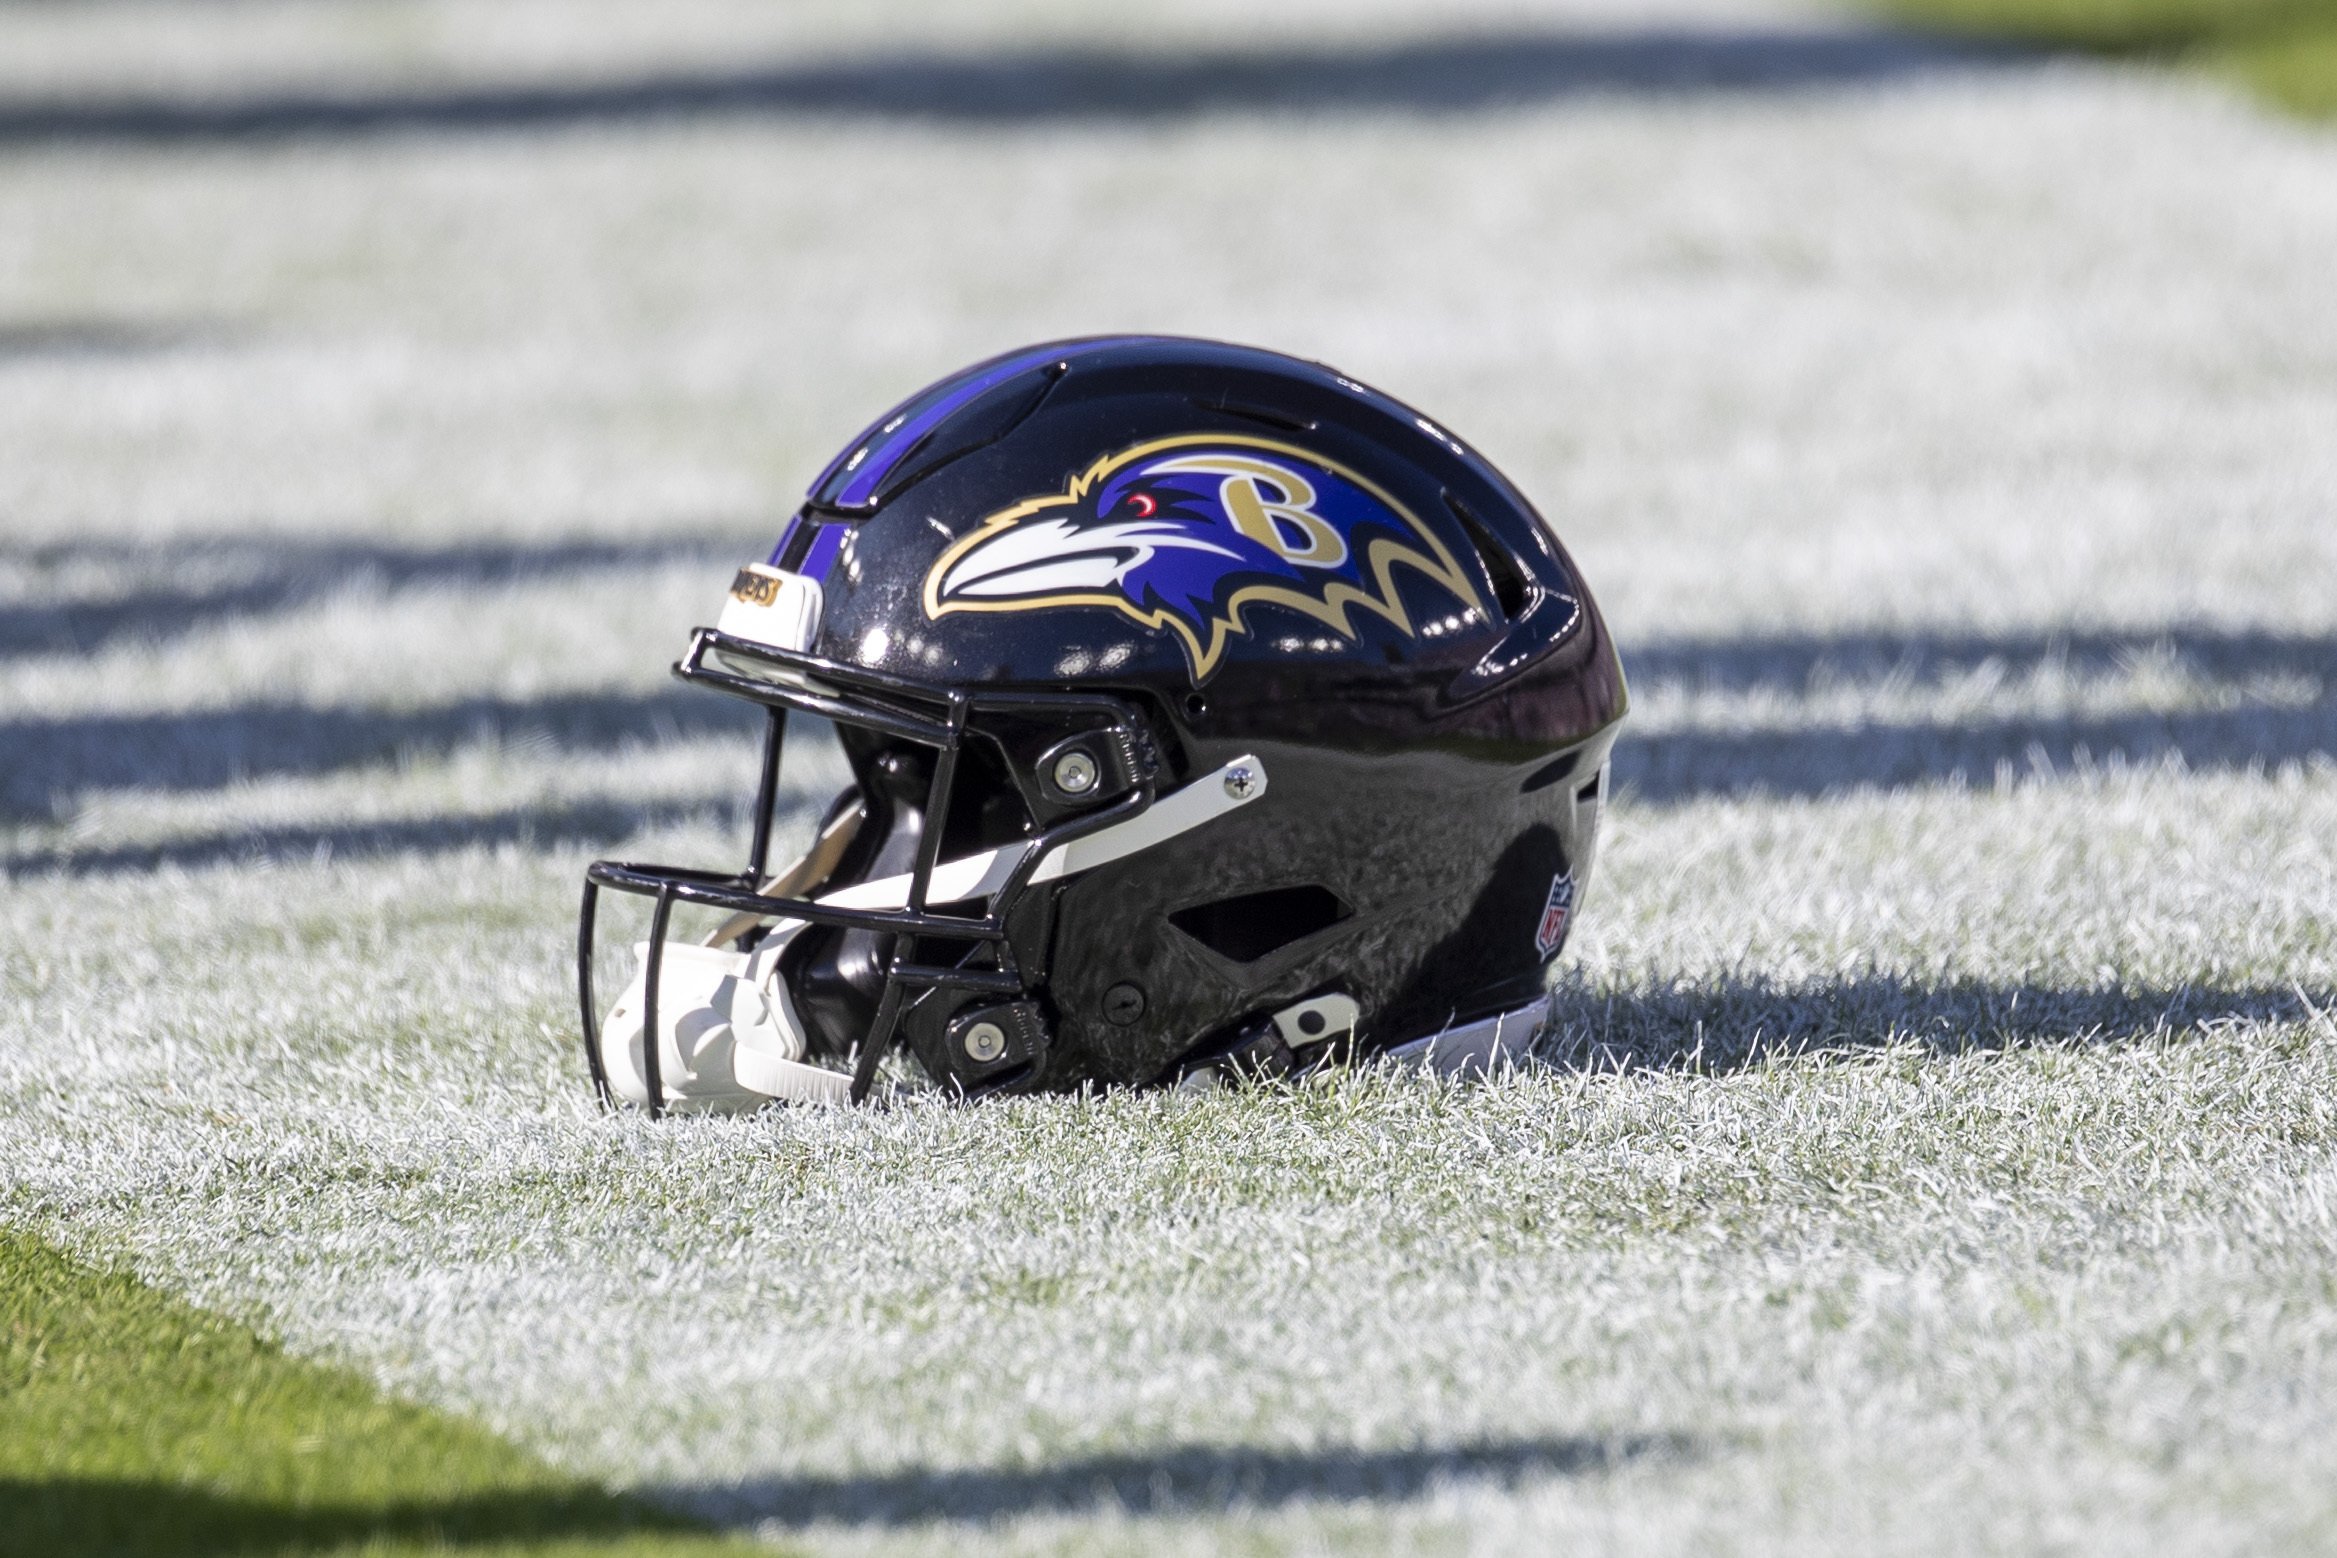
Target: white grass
{"x": 2085, "y": 1270}
{"x": 1937, "y": 1149}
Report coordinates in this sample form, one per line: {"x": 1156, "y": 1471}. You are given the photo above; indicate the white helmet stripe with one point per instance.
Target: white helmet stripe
{"x": 1477, "y": 1048}
{"x": 1207, "y": 798}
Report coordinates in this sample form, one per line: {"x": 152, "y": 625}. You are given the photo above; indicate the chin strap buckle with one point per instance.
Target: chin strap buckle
{"x": 1297, "y": 1038}
{"x": 1318, "y": 1020}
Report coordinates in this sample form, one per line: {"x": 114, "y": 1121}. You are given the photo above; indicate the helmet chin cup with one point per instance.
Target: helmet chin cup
{"x": 728, "y": 1037}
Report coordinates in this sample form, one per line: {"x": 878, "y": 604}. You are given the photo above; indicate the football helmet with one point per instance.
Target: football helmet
{"x": 1207, "y": 711}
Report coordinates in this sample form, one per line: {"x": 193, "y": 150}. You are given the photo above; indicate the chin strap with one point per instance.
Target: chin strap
{"x": 818, "y": 864}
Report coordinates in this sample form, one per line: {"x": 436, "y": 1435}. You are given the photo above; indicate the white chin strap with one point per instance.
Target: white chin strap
{"x": 729, "y": 1037}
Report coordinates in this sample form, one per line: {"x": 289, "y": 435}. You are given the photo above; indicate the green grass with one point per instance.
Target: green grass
{"x": 2285, "y": 50}
{"x": 1972, "y": 1183}
{"x": 131, "y": 1423}
{"x": 2296, "y": 69}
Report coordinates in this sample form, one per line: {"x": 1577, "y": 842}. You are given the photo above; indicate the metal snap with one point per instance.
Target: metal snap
{"x": 1076, "y": 772}
{"x": 985, "y": 1042}
{"x": 1123, "y": 1004}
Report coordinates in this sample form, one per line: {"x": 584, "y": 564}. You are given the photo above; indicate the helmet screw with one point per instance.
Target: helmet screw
{"x": 1123, "y": 1004}
{"x": 1242, "y": 782}
{"x": 985, "y": 1042}
{"x": 1075, "y": 772}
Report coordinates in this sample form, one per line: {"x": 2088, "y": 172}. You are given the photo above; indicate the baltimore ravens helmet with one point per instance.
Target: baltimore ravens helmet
{"x": 1208, "y": 714}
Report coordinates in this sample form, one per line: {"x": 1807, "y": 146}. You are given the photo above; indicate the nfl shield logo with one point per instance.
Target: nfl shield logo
{"x": 1551, "y": 935}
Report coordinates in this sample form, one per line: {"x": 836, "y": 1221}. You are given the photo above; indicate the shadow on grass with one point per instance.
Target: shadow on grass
{"x": 43, "y": 760}
{"x": 46, "y": 763}
{"x": 1741, "y": 1020}
{"x": 1183, "y": 1479}
{"x": 1791, "y": 663}
{"x": 85, "y": 1517}
{"x": 532, "y": 827}
{"x": 1683, "y": 765}
{"x": 2146, "y": 29}
{"x": 1429, "y": 76}
{"x": 85, "y": 338}
{"x": 216, "y": 581}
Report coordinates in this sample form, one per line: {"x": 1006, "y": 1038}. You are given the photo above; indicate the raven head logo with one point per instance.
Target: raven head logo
{"x": 1187, "y": 533}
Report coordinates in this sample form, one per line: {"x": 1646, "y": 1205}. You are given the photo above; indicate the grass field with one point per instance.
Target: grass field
{"x": 2284, "y": 49}
{"x": 1938, "y": 1148}
{"x": 136, "y": 1426}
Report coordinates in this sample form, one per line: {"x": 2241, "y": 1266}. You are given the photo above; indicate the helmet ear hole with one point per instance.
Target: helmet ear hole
{"x": 1247, "y": 927}
{"x": 985, "y": 807}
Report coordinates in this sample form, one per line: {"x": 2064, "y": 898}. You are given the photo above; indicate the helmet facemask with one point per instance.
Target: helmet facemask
{"x": 889, "y": 932}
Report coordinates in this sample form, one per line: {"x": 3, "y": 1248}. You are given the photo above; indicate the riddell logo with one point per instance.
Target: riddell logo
{"x": 1551, "y": 934}
{"x": 756, "y": 585}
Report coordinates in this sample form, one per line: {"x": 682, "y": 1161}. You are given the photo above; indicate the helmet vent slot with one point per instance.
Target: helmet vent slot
{"x": 978, "y": 426}
{"x": 1550, "y": 773}
{"x": 797, "y": 546}
{"x": 1246, "y": 928}
{"x": 1510, "y": 590}
{"x": 1268, "y": 416}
